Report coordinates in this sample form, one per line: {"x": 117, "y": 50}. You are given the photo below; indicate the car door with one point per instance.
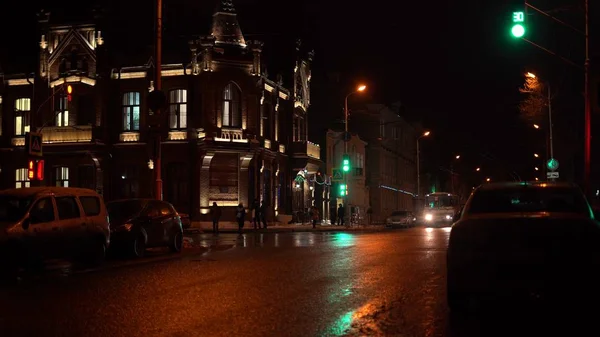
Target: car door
{"x": 152, "y": 222}
{"x": 72, "y": 226}
{"x": 42, "y": 236}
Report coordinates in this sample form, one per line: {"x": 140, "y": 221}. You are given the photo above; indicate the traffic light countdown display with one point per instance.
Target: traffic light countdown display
{"x": 35, "y": 169}
{"x": 518, "y": 26}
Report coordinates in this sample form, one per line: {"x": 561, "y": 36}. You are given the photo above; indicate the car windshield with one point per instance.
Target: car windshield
{"x": 124, "y": 210}
{"x": 438, "y": 201}
{"x": 529, "y": 199}
{"x": 13, "y": 208}
{"x": 400, "y": 213}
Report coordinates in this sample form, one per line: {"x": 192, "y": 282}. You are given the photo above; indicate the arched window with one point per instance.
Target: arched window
{"x": 232, "y": 107}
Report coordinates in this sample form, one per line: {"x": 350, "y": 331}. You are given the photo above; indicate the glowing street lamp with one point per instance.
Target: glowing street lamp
{"x": 536, "y": 155}
{"x": 537, "y": 169}
{"x": 488, "y": 180}
{"x": 425, "y": 134}
{"x": 478, "y": 169}
{"x": 536, "y": 126}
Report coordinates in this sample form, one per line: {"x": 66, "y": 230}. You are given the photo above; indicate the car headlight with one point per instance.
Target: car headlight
{"x": 428, "y": 217}
{"x": 448, "y": 217}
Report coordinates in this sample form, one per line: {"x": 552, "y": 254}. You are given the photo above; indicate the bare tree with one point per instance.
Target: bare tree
{"x": 533, "y": 105}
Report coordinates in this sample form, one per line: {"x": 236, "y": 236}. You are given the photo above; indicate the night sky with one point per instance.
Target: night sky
{"x": 452, "y": 64}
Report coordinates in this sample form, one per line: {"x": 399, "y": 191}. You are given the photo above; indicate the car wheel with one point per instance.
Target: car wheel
{"x": 176, "y": 242}
{"x": 139, "y": 245}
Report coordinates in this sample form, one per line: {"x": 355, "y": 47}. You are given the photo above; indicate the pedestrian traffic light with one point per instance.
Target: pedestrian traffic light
{"x": 518, "y": 27}
{"x": 343, "y": 190}
{"x": 346, "y": 163}
{"x": 69, "y": 92}
{"x": 35, "y": 169}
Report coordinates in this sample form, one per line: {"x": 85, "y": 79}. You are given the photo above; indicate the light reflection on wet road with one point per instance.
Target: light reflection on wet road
{"x": 288, "y": 284}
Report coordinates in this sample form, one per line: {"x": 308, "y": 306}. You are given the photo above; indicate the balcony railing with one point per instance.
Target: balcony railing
{"x": 232, "y": 135}
{"x": 60, "y": 134}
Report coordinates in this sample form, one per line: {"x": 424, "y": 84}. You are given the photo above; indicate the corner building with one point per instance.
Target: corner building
{"x": 230, "y": 134}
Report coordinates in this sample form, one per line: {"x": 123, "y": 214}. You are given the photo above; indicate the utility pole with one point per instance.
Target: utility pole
{"x": 158, "y": 188}
{"x": 588, "y": 122}
{"x": 550, "y": 126}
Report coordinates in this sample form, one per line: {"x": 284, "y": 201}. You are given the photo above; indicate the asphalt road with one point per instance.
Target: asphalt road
{"x": 389, "y": 283}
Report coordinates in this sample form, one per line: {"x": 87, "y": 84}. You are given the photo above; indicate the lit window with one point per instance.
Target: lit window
{"x": 62, "y": 114}
{"x": 61, "y": 176}
{"x": 131, "y": 111}
{"x": 21, "y": 179}
{"x": 232, "y": 108}
{"x": 178, "y": 109}
{"x": 22, "y": 110}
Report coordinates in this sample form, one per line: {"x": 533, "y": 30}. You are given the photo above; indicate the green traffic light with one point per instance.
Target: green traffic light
{"x": 346, "y": 165}
{"x": 518, "y": 30}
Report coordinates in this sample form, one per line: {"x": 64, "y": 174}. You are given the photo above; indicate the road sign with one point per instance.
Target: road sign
{"x": 552, "y": 164}
{"x": 552, "y": 175}
{"x": 337, "y": 175}
{"x": 33, "y": 143}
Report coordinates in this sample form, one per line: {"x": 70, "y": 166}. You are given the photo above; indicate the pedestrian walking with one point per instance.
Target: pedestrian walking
{"x": 240, "y": 216}
{"x": 215, "y": 214}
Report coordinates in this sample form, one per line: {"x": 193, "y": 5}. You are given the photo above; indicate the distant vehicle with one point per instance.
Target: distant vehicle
{"x": 440, "y": 209}
{"x": 52, "y": 222}
{"x": 137, "y": 224}
{"x": 523, "y": 241}
{"x": 401, "y": 219}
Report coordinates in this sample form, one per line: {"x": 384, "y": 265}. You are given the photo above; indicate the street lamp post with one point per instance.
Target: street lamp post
{"x": 347, "y": 137}
{"x": 425, "y": 134}
{"x": 550, "y": 126}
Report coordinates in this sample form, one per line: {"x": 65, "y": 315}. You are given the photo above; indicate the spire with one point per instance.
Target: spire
{"x": 225, "y": 27}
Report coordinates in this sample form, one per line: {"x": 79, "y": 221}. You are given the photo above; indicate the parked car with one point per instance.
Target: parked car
{"x": 523, "y": 241}
{"x": 401, "y": 219}
{"x": 137, "y": 224}
{"x": 52, "y": 222}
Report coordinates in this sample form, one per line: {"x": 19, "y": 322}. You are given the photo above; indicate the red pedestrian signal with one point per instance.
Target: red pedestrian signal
{"x": 39, "y": 174}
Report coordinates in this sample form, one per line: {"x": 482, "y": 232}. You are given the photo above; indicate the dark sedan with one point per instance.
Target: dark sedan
{"x": 137, "y": 224}
{"x": 531, "y": 241}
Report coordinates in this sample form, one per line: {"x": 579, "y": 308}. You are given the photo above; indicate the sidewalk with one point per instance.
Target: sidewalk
{"x": 231, "y": 227}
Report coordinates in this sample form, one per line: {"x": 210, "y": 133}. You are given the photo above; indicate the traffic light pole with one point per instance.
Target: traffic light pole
{"x": 346, "y": 209}
{"x": 158, "y": 183}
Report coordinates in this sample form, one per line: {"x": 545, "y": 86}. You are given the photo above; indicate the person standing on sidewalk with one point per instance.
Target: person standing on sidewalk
{"x": 256, "y": 214}
{"x": 340, "y": 215}
{"x": 315, "y": 216}
{"x": 215, "y": 214}
{"x": 262, "y": 212}
{"x": 240, "y": 216}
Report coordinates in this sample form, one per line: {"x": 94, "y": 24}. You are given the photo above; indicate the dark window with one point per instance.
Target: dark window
{"x": 13, "y": 208}
{"x": 529, "y": 199}
{"x": 119, "y": 211}
{"x": 85, "y": 177}
{"x": 42, "y": 211}
{"x": 67, "y": 208}
{"x": 165, "y": 209}
{"x": 177, "y": 191}
{"x": 91, "y": 205}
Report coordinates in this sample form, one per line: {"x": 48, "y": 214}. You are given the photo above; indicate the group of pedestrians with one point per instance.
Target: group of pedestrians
{"x": 259, "y": 215}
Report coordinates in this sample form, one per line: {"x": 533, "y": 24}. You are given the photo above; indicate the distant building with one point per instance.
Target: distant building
{"x": 358, "y": 191}
{"x": 391, "y": 161}
{"x": 230, "y": 134}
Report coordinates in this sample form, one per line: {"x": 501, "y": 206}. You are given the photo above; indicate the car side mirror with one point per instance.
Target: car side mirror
{"x": 25, "y": 224}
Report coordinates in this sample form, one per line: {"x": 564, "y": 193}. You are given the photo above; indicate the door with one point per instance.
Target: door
{"x": 72, "y": 226}
{"x": 43, "y": 237}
